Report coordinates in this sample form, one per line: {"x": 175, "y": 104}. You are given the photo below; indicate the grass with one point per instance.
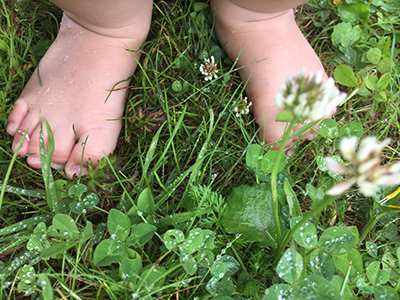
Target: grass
{"x": 181, "y": 140}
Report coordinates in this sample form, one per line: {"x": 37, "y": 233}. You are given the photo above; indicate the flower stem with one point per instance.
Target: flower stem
{"x": 371, "y": 223}
{"x": 274, "y": 176}
{"x": 321, "y": 206}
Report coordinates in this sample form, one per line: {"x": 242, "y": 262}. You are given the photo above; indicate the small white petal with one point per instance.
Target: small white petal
{"x": 394, "y": 167}
{"x": 334, "y": 166}
{"x": 392, "y": 179}
{"x": 341, "y": 187}
{"x": 368, "y": 188}
{"x": 365, "y": 167}
{"x": 348, "y": 147}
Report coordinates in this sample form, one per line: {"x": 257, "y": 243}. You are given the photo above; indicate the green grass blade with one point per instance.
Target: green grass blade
{"x": 7, "y": 177}
{"x": 45, "y": 160}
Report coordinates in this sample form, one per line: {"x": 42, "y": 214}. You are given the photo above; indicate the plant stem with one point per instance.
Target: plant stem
{"x": 274, "y": 175}
{"x": 371, "y": 223}
{"x": 321, "y": 206}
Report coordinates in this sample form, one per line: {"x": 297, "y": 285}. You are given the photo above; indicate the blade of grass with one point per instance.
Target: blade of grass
{"x": 7, "y": 177}
{"x": 45, "y": 160}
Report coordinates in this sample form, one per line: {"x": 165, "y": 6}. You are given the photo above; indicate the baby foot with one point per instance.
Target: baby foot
{"x": 76, "y": 74}
{"x": 274, "y": 40}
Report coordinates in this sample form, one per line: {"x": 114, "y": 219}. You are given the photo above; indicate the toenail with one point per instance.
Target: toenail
{"x": 11, "y": 126}
{"x": 56, "y": 166}
{"x": 33, "y": 160}
{"x": 14, "y": 148}
{"x": 76, "y": 170}
{"x": 289, "y": 152}
{"x": 310, "y": 136}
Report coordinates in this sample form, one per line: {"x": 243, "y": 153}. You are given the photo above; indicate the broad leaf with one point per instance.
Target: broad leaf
{"x": 290, "y": 266}
{"x": 249, "y": 212}
{"x": 118, "y": 224}
{"x": 108, "y": 252}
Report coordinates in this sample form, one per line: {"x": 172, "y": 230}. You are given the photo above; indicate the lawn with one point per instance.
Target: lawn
{"x": 190, "y": 205}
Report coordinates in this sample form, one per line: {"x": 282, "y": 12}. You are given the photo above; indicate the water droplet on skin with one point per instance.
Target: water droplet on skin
{"x": 80, "y": 32}
{"x": 74, "y": 38}
{"x": 73, "y": 70}
{"x": 89, "y": 83}
{"x": 280, "y": 46}
{"x": 69, "y": 27}
{"x": 64, "y": 60}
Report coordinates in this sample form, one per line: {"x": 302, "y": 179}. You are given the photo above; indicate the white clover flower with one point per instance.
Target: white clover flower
{"x": 308, "y": 97}
{"x": 243, "y": 108}
{"x": 366, "y": 171}
{"x": 209, "y": 69}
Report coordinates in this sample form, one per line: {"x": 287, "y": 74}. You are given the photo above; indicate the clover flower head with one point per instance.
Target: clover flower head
{"x": 308, "y": 97}
{"x": 243, "y": 108}
{"x": 367, "y": 173}
{"x": 209, "y": 69}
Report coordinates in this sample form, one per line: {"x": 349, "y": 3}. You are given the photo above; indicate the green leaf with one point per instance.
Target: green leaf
{"x": 77, "y": 207}
{"x": 322, "y": 264}
{"x": 209, "y": 238}
{"x": 218, "y": 269}
{"x": 199, "y": 6}
{"x": 118, "y": 224}
{"x": 352, "y": 129}
{"x": 177, "y": 86}
{"x": 383, "y": 82}
{"x": 328, "y": 128}
{"x": 345, "y": 76}
{"x": 254, "y": 155}
{"x": 3, "y": 46}
{"x": 146, "y": 202}
{"x": 354, "y": 13}
{"x": 193, "y": 241}
{"x": 249, "y": 212}
{"x": 371, "y": 82}
{"x": 77, "y": 190}
{"x": 173, "y": 238}
{"x": 57, "y": 249}
{"x": 44, "y": 283}
{"x": 34, "y": 245}
{"x": 108, "y": 252}
{"x": 337, "y": 282}
{"x": 385, "y": 65}
{"x": 291, "y": 198}
{"x": 87, "y": 233}
{"x": 141, "y": 234}
{"x": 132, "y": 267}
{"x": 232, "y": 265}
{"x": 364, "y": 287}
{"x": 66, "y": 226}
{"x": 372, "y": 248}
{"x": 290, "y": 266}
{"x": 345, "y": 35}
{"x": 337, "y": 240}
{"x": 90, "y": 200}
{"x": 306, "y": 235}
{"x": 280, "y": 291}
{"x": 153, "y": 277}
{"x": 206, "y": 259}
{"x": 285, "y": 116}
{"x": 386, "y": 292}
{"x": 188, "y": 262}
{"x": 41, "y": 47}
{"x": 374, "y": 55}
{"x": 343, "y": 261}
{"x": 375, "y": 275}
{"x": 268, "y": 160}
{"x": 316, "y": 287}
{"x": 224, "y": 286}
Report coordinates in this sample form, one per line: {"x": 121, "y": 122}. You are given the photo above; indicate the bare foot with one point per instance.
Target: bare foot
{"x": 273, "y": 38}
{"x": 77, "y": 73}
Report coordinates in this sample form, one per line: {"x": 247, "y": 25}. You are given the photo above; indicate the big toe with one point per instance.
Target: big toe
{"x": 100, "y": 141}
